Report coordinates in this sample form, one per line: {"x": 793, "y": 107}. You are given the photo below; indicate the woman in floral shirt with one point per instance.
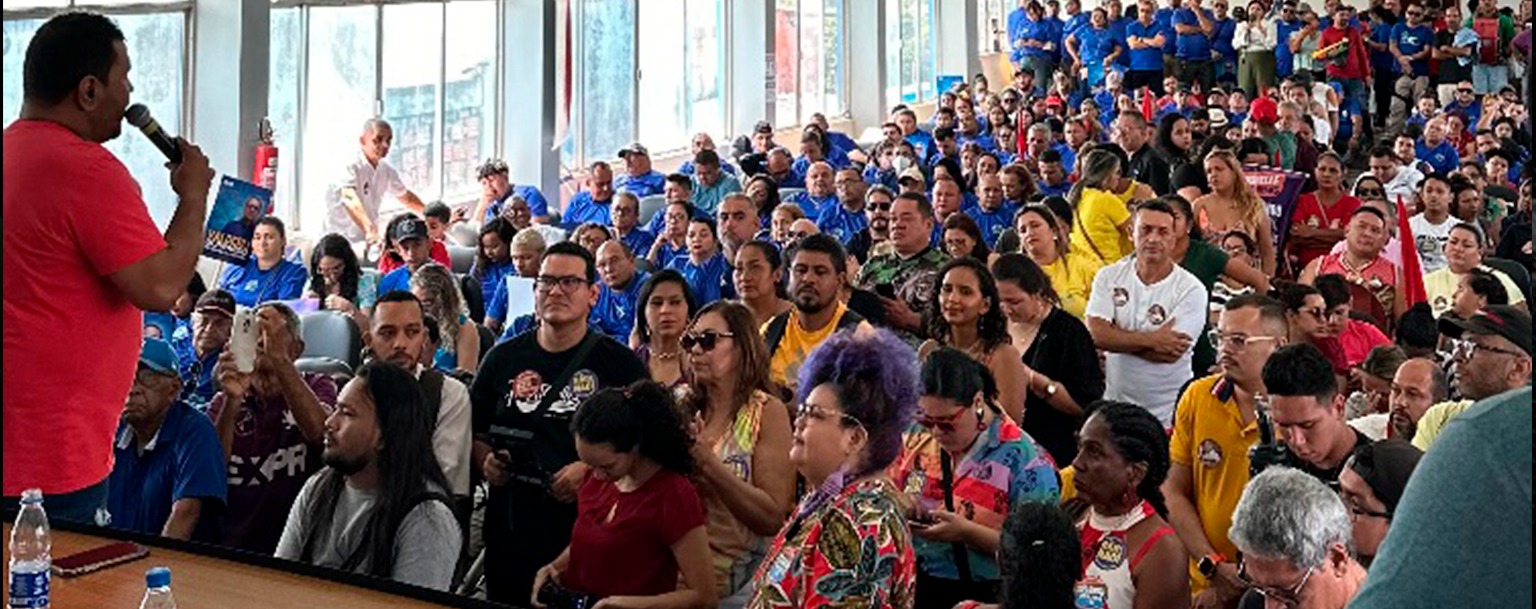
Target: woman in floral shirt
{"x": 847, "y": 543}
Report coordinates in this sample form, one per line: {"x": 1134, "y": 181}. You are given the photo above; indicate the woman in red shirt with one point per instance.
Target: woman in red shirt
{"x": 639, "y": 520}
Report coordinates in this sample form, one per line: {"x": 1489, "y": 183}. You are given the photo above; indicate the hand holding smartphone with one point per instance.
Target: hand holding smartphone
{"x": 242, "y": 340}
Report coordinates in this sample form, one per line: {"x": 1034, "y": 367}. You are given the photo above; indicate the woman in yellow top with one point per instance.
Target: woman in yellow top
{"x": 1101, "y": 226}
{"x": 1043, "y": 238}
{"x": 1233, "y": 206}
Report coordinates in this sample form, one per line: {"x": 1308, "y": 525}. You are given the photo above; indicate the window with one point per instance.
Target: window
{"x": 603, "y": 110}
{"x": 427, "y": 67}
{"x": 808, "y": 60}
{"x": 992, "y": 25}
{"x": 681, "y": 51}
{"x": 157, "y": 48}
{"x": 911, "y": 51}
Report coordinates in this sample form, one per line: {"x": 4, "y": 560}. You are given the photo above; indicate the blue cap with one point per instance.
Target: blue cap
{"x": 158, "y": 577}
{"x": 157, "y": 355}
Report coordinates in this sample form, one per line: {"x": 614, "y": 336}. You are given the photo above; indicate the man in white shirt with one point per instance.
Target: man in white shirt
{"x": 1145, "y": 311}
{"x": 399, "y": 336}
{"x": 1432, "y": 228}
{"x": 354, "y": 207}
{"x": 1397, "y": 180}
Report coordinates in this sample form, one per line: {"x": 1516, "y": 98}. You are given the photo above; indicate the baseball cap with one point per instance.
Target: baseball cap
{"x": 409, "y": 228}
{"x": 1217, "y": 116}
{"x": 634, "y": 148}
{"x": 157, "y": 355}
{"x": 914, "y": 174}
{"x": 1264, "y": 110}
{"x": 1386, "y": 466}
{"x": 1496, "y": 320}
{"x": 763, "y": 127}
{"x": 216, "y": 301}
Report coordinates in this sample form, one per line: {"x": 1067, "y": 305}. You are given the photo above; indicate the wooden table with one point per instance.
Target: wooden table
{"x": 200, "y": 581}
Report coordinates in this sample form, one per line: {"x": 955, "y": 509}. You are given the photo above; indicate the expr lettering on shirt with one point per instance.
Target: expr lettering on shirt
{"x": 261, "y": 470}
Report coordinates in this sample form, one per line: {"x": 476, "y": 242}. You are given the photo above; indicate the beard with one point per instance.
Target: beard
{"x": 343, "y": 464}
{"x": 808, "y": 302}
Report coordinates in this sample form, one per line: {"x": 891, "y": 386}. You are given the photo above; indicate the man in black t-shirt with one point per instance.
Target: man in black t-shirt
{"x": 523, "y": 399}
{"x": 1308, "y": 412}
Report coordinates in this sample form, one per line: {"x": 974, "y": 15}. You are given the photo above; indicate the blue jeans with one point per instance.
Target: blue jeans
{"x": 1489, "y": 79}
{"x": 87, "y": 505}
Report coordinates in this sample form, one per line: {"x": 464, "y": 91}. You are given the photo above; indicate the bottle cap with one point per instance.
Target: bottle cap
{"x": 158, "y": 577}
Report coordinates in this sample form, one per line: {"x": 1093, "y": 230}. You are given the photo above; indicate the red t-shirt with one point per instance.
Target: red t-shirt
{"x": 1357, "y": 61}
{"x": 1311, "y": 213}
{"x": 392, "y": 261}
{"x": 631, "y": 554}
{"x": 73, "y": 216}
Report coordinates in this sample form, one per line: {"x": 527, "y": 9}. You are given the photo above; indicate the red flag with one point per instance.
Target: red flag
{"x": 1147, "y": 110}
{"x": 1413, "y": 271}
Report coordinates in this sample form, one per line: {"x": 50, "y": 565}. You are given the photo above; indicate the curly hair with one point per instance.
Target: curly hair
{"x": 991, "y": 327}
{"x": 448, "y": 306}
{"x": 1040, "y": 557}
{"x": 874, "y": 374}
{"x": 639, "y": 417}
{"x": 1139, "y": 438}
{"x": 335, "y": 246}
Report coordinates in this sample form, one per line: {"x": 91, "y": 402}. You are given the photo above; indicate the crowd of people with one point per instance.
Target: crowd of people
{"x": 1052, "y": 348}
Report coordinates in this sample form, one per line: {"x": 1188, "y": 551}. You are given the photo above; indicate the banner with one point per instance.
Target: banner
{"x": 236, "y": 209}
{"x": 1280, "y": 190}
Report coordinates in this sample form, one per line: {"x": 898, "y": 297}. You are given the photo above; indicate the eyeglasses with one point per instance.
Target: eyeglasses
{"x": 1290, "y": 597}
{"x": 1467, "y": 91}
{"x": 940, "y": 424}
{"x": 817, "y": 413}
{"x": 1370, "y": 192}
{"x": 547, "y": 283}
{"x": 881, "y": 206}
{"x": 1463, "y": 350}
{"x": 1316, "y": 313}
{"x": 1237, "y": 342}
{"x": 705, "y": 340}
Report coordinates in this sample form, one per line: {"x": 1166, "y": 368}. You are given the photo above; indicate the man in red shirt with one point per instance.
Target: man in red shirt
{"x": 82, "y": 258}
{"x": 1348, "y": 63}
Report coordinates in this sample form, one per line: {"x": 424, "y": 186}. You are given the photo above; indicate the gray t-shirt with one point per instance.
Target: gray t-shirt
{"x": 426, "y": 546}
{"x": 1467, "y": 510}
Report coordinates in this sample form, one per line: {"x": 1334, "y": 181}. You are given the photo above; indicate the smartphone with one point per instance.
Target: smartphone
{"x": 96, "y": 559}
{"x": 242, "y": 340}
{"x": 886, "y": 290}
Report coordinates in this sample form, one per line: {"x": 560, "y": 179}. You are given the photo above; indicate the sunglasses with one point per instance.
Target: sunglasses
{"x": 1370, "y": 192}
{"x": 705, "y": 340}
{"x": 940, "y": 424}
{"x": 1467, "y": 91}
{"x": 881, "y": 206}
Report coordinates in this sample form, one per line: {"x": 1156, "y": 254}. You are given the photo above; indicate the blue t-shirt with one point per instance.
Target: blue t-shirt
{"x": 873, "y": 175}
{"x": 1473, "y": 111}
{"x": 398, "y": 279}
{"x": 1094, "y": 44}
{"x": 198, "y": 384}
{"x": 1223, "y": 33}
{"x": 491, "y": 277}
{"x": 1144, "y": 58}
{"x": 643, "y": 185}
{"x": 841, "y": 224}
{"x": 922, "y": 144}
{"x": 1017, "y": 18}
{"x": 709, "y": 281}
{"x": 1163, "y": 17}
{"x": 841, "y": 144}
{"x": 802, "y": 163}
{"x": 639, "y": 240}
{"x": 1117, "y": 28}
{"x": 1074, "y": 23}
{"x": 687, "y": 168}
{"x": 1443, "y": 157}
{"x": 1413, "y": 39}
{"x": 252, "y": 286}
{"x": 1383, "y": 59}
{"x": 537, "y": 206}
{"x": 1192, "y": 47}
{"x": 1037, "y": 31}
{"x": 183, "y": 461}
{"x": 614, "y": 313}
{"x": 813, "y": 206}
{"x": 583, "y": 209}
{"x": 986, "y": 142}
{"x": 1059, "y": 190}
{"x": 992, "y": 223}
{"x": 1284, "y": 58}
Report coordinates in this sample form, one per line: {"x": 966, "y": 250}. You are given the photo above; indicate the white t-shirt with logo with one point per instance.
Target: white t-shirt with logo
{"x": 1120, "y": 297}
{"x": 1430, "y": 240}
{"x": 372, "y": 183}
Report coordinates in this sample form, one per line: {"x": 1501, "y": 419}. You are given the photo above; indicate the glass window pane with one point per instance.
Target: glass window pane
{"x": 14, "y": 5}
{"x": 812, "y": 48}
{"x": 413, "y": 69}
{"x": 834, "y": 102}
{"x": 469, "y": 110}
{"x": 607, "y": 114}
{"x": 706, "y": 79}
{"x": 663, "y": 55}
{"x": 786, "y": 58}
{"x": 285, "y": 62}
{"x": 342, "y": 48}
{"x": 155, "y": 49}
{"x": 928, "y": 50}
{"x": 18, "y": 34}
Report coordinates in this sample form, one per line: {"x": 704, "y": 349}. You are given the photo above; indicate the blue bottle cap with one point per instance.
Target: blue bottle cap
{"x": 158, "y": 577}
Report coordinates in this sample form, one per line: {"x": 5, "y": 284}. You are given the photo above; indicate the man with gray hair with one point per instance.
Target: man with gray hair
{"x": 354, "y": 208}
{"x": 1297, "y": 542}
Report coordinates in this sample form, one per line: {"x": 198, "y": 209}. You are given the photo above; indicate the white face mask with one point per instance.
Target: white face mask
{"x": 901, "y": 163}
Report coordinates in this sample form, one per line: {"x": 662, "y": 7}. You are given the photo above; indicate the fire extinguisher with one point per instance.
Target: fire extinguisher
{"x": 264, "y": 173}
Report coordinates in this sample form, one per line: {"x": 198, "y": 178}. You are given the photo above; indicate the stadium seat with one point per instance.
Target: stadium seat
{"x": 338, "y": 370}
{"x": 462, "y": 257}
{"x": 474, "y": 300}
{"x": 487, "y": 340}
{"x": 332, "y": 334}
{"x": 650, "y": 206}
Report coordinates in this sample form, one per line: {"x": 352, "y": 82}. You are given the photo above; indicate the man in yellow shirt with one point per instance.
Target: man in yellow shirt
{"x": 817, "y": 269}
{"x": 1214, "y": 426}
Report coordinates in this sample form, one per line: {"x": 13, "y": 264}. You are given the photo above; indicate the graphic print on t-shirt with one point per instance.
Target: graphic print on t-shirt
{"x": 527, "y": 390}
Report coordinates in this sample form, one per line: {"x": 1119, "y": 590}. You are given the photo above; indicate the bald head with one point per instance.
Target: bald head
{"x": 1418, "y": 384}
{"x": 818, "y": 179}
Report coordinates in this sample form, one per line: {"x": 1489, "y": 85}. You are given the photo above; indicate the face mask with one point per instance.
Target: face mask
{"x": 901, "y": 164}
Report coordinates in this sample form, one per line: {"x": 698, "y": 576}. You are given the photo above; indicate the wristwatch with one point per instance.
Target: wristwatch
{"x": 1208, "y": 564}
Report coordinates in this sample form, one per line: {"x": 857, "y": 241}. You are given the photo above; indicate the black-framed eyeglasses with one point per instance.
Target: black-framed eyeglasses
{"x": 705, "y": 340}
{"x": 880, "y": 206}
{"x": 1467, "y": 91}
{"x": 1370, "y": 192}
{"x": 547, "y": 283}
{"x": 1290, "y": 597}
{"x": 817, "y": 413}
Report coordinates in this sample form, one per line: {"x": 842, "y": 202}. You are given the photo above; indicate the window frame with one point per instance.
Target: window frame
{"x": 841, "y": 52}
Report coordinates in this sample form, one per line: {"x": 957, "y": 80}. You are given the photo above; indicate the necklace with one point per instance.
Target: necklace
{"x": 1122, "y": 522}
{"x": 669, "y": 355}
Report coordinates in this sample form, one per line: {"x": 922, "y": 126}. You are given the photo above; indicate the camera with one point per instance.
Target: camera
{"x": 1239, "y": 14}
{"x": 1268, "y": 452}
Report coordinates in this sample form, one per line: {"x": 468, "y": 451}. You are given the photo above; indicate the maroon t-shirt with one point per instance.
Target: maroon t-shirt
{"x": 268, "y": 465}
{"x": 631, "y": 554}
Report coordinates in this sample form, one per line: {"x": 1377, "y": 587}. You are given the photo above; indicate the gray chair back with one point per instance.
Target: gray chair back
{"x": 332, "y": 334}
{"x": 461, "y": 257}
{"x": 338, "y": 370}
{"x": 650, "y": 206}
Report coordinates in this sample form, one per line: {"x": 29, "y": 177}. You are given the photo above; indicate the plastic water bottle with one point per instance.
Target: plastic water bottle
{"x": 31, "y": 560}
{"x": 157, "y": 594}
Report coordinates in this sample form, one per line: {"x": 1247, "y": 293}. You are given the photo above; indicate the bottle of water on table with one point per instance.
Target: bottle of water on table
{"x": 30, "y": 554}
{"x": 157, "y": 594}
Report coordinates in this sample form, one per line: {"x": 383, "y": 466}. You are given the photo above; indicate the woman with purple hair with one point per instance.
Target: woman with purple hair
{"x": 847, "y": 543}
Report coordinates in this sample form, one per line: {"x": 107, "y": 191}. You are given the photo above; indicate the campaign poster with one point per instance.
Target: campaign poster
{"x": 1280, "y": 190}
{"x": 236, "y": 209}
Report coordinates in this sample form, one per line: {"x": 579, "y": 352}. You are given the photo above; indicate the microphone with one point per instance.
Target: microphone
{"x": 138, "y": 116}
